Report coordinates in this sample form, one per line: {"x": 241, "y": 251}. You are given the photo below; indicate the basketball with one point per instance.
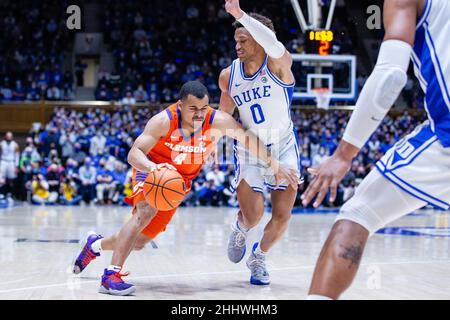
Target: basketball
{"x": 164, "y": 189}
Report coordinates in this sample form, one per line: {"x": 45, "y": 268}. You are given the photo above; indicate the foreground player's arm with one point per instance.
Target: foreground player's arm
{"x": 156, "y": 128}
{"x": 226, "y": 103}
{"x": 225, "y": 125}
{"x": 378, "y": 95}
{"x": 280, "y": 60}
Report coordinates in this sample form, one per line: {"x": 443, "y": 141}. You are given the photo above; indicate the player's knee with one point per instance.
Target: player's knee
{"x": 360, "y": 213}
{"x": 281, "y": 217}
{"x": 252, "y": 217}
{"x": 139, "y": 246}
{"x": 144, "y": 212}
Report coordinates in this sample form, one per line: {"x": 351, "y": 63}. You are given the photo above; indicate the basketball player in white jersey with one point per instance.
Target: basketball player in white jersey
{"x": 415, "y": 171}
{"x": 9, "y": 160}
{"x": 260, "y": 84}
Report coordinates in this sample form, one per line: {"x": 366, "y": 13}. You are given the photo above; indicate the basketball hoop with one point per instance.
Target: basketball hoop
{"x": 323, "y": 96}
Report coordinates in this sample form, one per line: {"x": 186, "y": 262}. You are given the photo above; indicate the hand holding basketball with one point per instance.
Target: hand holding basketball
{"x": 164, "y": 189}
{"x": 161, "y": 166}
{"x": 233, "y": 8}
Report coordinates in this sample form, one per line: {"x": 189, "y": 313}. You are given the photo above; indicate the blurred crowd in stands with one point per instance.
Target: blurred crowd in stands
{"x": 81, "y": 156}
{"x": 33, "y": 51}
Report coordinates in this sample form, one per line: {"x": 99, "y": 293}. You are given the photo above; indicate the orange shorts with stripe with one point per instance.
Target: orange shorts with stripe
{"x": 162, "y": 218}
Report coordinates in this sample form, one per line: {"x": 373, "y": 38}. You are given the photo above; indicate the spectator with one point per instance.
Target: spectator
{"x": 128, "y": 100}
{"x": 119, "y": 181}
{"x": 104, "y": 184}
{"x": 78, "y": 154}
{"x": 140, "y": 95}
{"x": 69, "y": 192}
{"x": 98, "y": 144}
{"x": 40, "y": 191}
{"x": 320, "y": 157}
{"x": 88, "y": 178}
{"x": 54, "y": 177}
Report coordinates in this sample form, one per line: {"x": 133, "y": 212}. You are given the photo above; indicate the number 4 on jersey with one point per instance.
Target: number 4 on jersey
{"x": 179, "y": 159}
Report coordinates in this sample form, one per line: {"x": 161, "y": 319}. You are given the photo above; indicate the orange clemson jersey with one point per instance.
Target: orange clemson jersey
{"x": 186, "y": 154}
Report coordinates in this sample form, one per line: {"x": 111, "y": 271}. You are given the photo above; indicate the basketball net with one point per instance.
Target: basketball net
{"x": 323, "y": 97}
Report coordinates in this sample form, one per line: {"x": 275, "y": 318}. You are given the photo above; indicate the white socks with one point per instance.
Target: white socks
{"x": 114, "y": 268}
{"x": 241, "y": 227}
{"x": 259, "y": 252}
{"x": 96, "y": 246}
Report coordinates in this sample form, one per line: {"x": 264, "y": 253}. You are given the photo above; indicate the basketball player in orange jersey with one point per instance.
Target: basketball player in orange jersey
{"x": 260, "y": 84}
{"x": 179, "y": 138}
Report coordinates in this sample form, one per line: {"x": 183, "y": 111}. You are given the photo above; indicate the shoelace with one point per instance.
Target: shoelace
{"x": 117, "y": 277}
{"x": 239, "y": 240}
{"x": 88, "y": 257}
{"x": 259, "y": 266}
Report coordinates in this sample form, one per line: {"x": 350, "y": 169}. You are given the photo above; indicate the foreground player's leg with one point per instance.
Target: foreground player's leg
{"x": 112, "y": 282}
{"x": 282, "y": 203}
{"x": 95, "y": 244}
{"x": 250, "y": 213}
{"x": 376, "y": 203}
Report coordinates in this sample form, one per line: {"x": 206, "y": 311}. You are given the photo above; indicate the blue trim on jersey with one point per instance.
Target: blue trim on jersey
{"x": 213, "y": 114}
{"x": 297, "y": 150}
{"x": 256, "y": 189}
{"x": 410, "y": 189}
{"x": 237, "y": 167}
{"x": 438, "y": 64}
{"x": 435, "y": 104}
{"x": 274, "y": 187}
{"x": 290, "y": 92}
{"x": 230, "y": 81}
{"x": 253, "y": 77}
{"x": 425, "y": 13}
{"x": 421, "y": 141}
{"x": 423, "y": 82}
{"x": 169, "y": 114}
{"x": 424, "y": 147}
{"x": 278, "y": 81}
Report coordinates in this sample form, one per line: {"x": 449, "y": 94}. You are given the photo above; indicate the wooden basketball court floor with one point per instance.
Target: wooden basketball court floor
{"x": 410, "y": 260}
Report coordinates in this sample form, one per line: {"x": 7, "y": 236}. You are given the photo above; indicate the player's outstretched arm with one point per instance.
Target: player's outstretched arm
{"x": 226, "y": 103}
{"x": 156, "y": 128}
{"x": 280, "y": 60}
{"x": 225, "y": 125}
{"x": 377, "y": 96}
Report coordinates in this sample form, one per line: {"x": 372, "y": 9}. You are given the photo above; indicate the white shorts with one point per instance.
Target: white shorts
{"x": 8, "y": 169}
{"x": 256, "y": 173}
{"x": 413, "y": 173}
{"x": 420, "y": 166}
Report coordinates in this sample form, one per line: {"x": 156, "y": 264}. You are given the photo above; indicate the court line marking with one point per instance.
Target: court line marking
{"x": 74, "y": 281}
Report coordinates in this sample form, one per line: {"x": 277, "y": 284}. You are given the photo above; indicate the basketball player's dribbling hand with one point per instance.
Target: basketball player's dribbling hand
{"x": 233, "y": 8}
{"x": 162, "y": 165}
{"x": 326, "y": 176}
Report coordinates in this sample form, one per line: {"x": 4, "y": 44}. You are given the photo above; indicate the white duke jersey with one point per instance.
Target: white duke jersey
{"x": 431, "y": 58}
{"x": 263, "y": 102}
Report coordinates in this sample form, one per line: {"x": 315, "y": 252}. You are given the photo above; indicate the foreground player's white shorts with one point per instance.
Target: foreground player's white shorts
{"x": 8, "y": 169}
{"x": 413, "y": 173}
{"x": 256, "y": 173}
{"x": 420, "y": 165}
